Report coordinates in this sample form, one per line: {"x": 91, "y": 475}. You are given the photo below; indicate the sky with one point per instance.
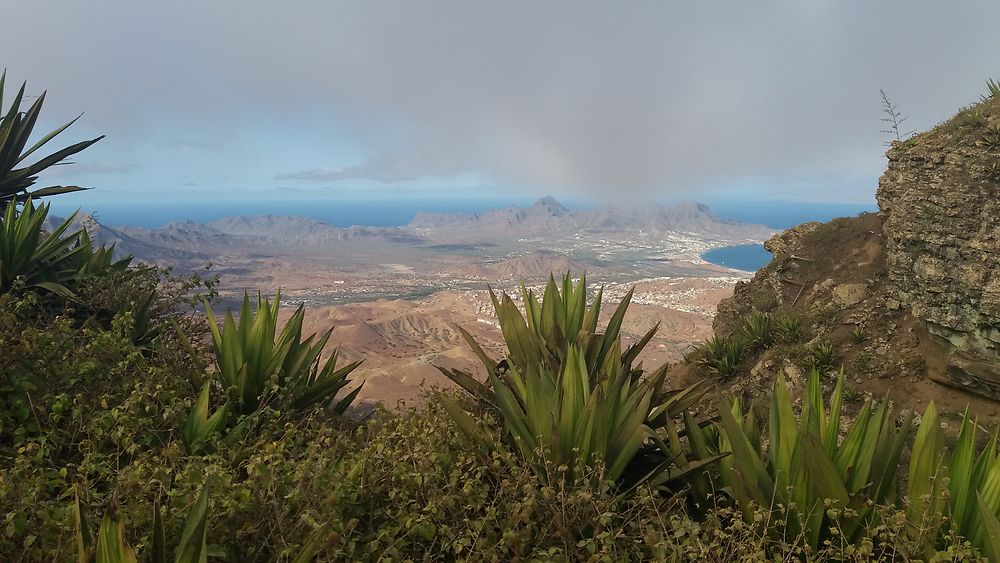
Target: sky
{"x": 627, "y": 102}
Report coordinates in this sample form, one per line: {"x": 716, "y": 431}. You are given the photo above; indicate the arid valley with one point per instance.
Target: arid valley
{"x": 393, "y": 296}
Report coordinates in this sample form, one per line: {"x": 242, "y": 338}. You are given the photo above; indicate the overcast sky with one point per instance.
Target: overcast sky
{"x": 624, "y": 100}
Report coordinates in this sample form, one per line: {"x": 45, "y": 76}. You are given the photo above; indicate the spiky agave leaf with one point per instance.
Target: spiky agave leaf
{"x": 111, "y": 544}
{"x": 47, "y": 260}
{"x": 566, "y": 389}
{"x": 926, "y": 477}
{"x": 16, "y": 128}
{"x": 200, "y": 425}
{"x": 807, "y": 464}
{"x": 256, "y": 359}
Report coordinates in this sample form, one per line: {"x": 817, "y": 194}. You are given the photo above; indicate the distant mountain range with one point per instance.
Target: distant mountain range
{"x": 547, "y": 217}
{"x": 188, "y": 240}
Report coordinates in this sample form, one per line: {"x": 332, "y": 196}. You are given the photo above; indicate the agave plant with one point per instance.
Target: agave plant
{"x": 200, "y": 425}
{"x": 807, "y": 467}
{"x": 16, "y": 127}
{"x": 720, "y": 354}
{"x": 821, "y": 357}
{"x": 52, "y": 260}
{"x": 258, "y": 362}
{"x": 758, "y": 331}
{"x": 43, "y": 260}
{"x": 568, "y": 394}
{"x": 98, "y": 259}
{"x": 960, "y": 491}
{"x": 858, "y": 335}
{"x": 788, "y": 329}
{"x": 992, "y": 89}
{"x": 112, "y": 547}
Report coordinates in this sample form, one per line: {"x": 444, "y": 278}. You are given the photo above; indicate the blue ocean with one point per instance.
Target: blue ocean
{"x": 777, "y": 215}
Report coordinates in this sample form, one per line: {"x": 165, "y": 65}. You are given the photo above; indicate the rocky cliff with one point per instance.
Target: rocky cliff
{"x": 908, "y": 298}
{"x": 940, "y": 208}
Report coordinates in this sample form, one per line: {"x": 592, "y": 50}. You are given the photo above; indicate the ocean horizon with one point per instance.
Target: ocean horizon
{"x": 399, "y": 212}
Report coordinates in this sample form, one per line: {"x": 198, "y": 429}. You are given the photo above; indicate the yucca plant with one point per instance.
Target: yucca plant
{"x": 16, "y": 127}
{"x": 758, "y": 331}
{"x": 807, "y": 468}
{"x": 258, "y": 362}
{"x": 111, "y": 545}
{"x": 567, "y": 393}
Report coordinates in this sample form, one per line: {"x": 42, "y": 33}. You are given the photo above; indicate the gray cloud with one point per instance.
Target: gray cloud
{"x": 629, "y": 98}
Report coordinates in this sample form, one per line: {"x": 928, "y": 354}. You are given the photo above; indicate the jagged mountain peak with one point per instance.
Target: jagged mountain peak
{"x": 550, "y": 204}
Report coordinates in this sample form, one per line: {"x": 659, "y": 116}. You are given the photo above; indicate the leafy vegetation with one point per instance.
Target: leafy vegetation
{"x": 261, "y": 364}
{"x": 858, "y": 335}
{"x": 16, "y": 127}
{"x": 758, "y": 331}
{"x": 567, "y": 393}
{"x": 788, "y": 329}
{"x": 821, "y": 357}
{"x": 720, "y": 355}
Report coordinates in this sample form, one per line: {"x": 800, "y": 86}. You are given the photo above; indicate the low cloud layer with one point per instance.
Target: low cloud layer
{"x": 637, "y": 99}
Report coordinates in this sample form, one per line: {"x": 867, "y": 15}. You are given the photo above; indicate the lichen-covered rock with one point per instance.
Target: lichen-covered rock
{"x": 940, "y": 207}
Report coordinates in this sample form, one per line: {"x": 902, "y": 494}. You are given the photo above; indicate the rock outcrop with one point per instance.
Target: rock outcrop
{"x": 908, "y": 299}
{"x": 940, "y": 208}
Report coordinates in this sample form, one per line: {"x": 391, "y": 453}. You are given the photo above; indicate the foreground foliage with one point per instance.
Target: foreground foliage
{"x": 16, "y": 127}
{"x": 105, "y": 416}
{"x": 567, "y": 393}
{"x": 31, "y": 257}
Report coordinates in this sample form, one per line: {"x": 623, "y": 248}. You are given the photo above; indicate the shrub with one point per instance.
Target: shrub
{"x": 567, "y": 393}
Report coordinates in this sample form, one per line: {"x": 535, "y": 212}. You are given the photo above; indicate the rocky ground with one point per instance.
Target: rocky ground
{"x": 833, "y": 278}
